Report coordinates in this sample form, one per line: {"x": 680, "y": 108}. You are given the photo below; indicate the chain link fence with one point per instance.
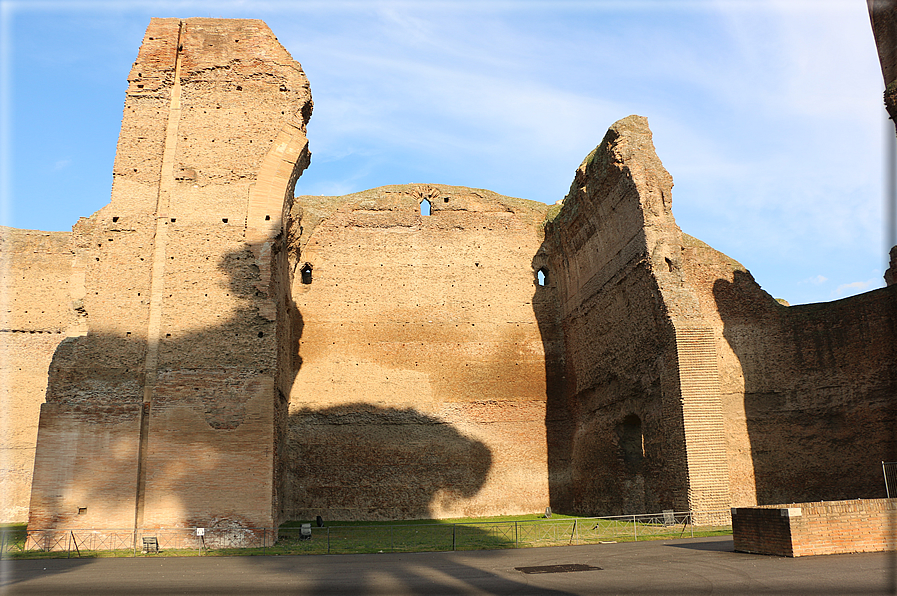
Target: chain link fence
{"x": 344, "y": 539}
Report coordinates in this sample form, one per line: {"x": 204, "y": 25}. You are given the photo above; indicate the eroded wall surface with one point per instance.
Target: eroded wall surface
{"x": 641, "y": 427}
{"x": 235, "y": 357}
{"x": 36, "y": 269}
{"x": 688, "y": 386}
{"x": 808, "y": 390}
{"x": 421, "y": 384}
{"x": 163, "y": 410}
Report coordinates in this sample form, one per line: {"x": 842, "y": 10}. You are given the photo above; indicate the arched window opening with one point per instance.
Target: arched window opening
{"x": 306, "y": 273}
{"x": 425, "y": 207}
{"x": 542, "y": 276}
{"x": 632, "y": 442}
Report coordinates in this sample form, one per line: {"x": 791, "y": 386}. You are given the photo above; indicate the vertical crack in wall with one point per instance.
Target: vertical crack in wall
{"x": 157, "y": 286}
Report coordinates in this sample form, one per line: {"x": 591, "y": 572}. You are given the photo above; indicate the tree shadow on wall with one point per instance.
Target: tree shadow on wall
{"x": 819, "y": 388}
{"x": 204, "y": 452}
{"x": 363, "y": 462}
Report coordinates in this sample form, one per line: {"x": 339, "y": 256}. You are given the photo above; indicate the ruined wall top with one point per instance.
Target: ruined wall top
{"x": 883, "y": 16}
{"x": 215, "y": 109}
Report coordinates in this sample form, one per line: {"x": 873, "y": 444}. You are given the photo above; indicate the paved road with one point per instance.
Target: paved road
{"x": 691, "y": 566}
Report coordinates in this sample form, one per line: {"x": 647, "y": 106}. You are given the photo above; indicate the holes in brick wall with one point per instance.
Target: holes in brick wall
{"x": 267, "y": 218}
{"x": 306, "y": 273}
{"x": 223, "y": 220}
{"x": 445, "y": 199}
{"x": 425, "y": 207}
{"x": 261, "y": 334}
{"x": 115, "y": 219}
{"x": 82, "y": 510}
{"x": 173, "y": 219}
{"x": 239, "y": 87}
{"x": 669, "y": 264}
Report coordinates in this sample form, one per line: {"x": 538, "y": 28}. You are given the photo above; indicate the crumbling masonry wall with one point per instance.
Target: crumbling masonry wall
{"x": 234, "y": 357}
{"x": 162, "y": 411}
{"x": 640, "y": 427}
{"x": 420, "y": 385}
{"x": 687, "y": 385}
{"x": 808, "y": 390}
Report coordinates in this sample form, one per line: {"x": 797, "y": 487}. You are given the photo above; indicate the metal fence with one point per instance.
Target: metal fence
{"x": 889, "y": 469}
{"x": 333, "y": 539}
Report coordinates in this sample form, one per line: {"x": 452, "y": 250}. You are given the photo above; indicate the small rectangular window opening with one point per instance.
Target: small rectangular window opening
{"x": 82, "y": 510}
{"x": 306, "y": 274}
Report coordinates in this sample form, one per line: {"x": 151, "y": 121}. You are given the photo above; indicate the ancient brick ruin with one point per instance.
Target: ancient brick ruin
{"x": 214, "y": 352}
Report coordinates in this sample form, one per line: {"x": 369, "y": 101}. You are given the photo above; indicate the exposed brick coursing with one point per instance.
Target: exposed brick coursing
{"x": 824, "y": 528}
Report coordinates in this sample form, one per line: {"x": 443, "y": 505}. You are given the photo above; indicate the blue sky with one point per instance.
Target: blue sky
{"x": 768, "y": 115}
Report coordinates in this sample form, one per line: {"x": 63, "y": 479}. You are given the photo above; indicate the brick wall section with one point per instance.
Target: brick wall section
{"x": 421, "y": 385}
{"x": 813, "y": 381}
{"x": 639, "y": 356}
{"x": 702, "y": 419}
{"x": 823, "y": 528}
{"x": 161, "y": 408}
{"x": 35, "y": 310}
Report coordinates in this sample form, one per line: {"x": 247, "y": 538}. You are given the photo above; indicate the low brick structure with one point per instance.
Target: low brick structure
{"x": 824, "y": 528}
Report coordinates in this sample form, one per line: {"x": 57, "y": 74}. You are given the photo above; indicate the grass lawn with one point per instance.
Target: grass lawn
{"x": 486, "y": 533}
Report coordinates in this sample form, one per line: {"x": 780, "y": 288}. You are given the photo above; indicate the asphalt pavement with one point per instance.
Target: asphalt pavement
{"x": 690, "y": 566}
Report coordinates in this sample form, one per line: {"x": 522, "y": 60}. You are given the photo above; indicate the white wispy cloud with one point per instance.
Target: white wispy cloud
{"x": 856, "y": 287}
{"x": 815, "y": 280}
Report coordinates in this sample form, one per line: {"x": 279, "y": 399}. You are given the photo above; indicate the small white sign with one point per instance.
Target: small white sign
{"x": 200, "y": 531}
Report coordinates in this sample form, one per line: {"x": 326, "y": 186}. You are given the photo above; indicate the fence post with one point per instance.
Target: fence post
{"x": 328, "y": 540}
{"x": 885, "y": 474}
{"x": 453, "y": 536}
{"x": 516, "y": 536}
{"x": 634, "y": 528}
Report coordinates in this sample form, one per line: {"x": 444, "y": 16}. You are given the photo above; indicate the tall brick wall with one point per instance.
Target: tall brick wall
{"x": 807, "y": 390}
{"x": 36, "y": 313}
{"x": 821, "y": 528}
{"x": 420, "y": 384}
{"x": 235, "y": 357}
{"x": 162, "y": 412}
{"x": 641, "y": 426}
{"x": 735, "y": 398}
